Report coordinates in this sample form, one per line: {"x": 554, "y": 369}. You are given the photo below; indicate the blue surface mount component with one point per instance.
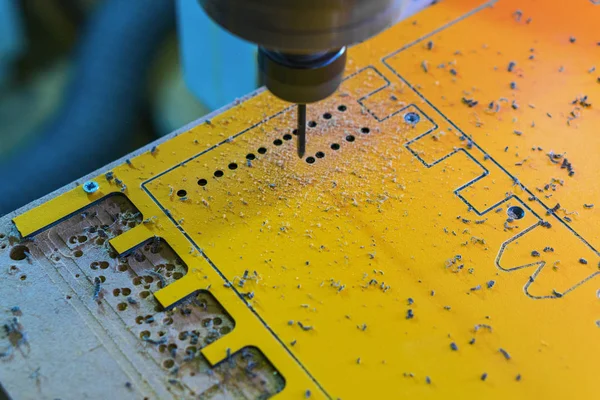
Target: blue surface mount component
{"x": 218, "y": 66}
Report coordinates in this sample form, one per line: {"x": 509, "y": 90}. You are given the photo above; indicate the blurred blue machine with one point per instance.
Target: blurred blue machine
{"x": 11, "y": 36}
{"x": 218, "y": 66}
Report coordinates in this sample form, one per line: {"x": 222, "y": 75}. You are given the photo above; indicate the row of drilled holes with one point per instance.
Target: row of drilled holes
{"x": 278, "y": 142}
{"x": 336, "y": 146}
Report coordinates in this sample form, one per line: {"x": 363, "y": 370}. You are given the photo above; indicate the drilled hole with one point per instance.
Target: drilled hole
{"x": 515, "y": 212}
{"x": 122, "y": 306}
{"x": 181, "y": 193}
{"x": 126, "y": 291}
{"x": 168, "y": 363}
{"x": 295, "y": 131}
{"x": 225, "y": 330}
{"x": 287, "y": 136}
{"x": 218, "y": 173}
{"x": 342, "y": 108}
{"x": 202, "y": 182}
{"x": 335, "y": 146}
{"x": 78, "y": 253}
{"x": 312, "y": 124}
{"x": 232, "y": 166}
{"x": 310, "y": 160}
{"x": 327, "y": 116}
{"x": 365, "y": 130}
{"x": 277, "y": 142}
{"x": 250, "y": 156}
{"x": 262, "y": 150}
{"x": 350, "y": 138}
{"x": 19, "y": 252}
{"x": 320, "y": 154}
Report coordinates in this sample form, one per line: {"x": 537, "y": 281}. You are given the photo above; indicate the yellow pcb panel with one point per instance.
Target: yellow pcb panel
{"x": 439, "y": 238}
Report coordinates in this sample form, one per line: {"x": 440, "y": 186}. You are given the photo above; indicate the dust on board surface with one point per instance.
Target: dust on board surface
{"x": 438, "y": 239}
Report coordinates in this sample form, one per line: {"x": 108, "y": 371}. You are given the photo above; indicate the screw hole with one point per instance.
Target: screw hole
{"x": 218, "y": 173}
{"x": 327, "y": 116}
{"x": 342, "y": 108}
{"x": 232, "y": 166}
{"x": 277, "y": 142}
{"x": 412, "y": 118}
{"x": 312, "y": 124}
{"x": 90, "y": 187}
{"x": 262, "y": 150}
{"x": 287, "y": 136}
{"x": 335, "y": 146}
{"x": 365, "y": 130}
{"x": 310, "y": 160}
{"x": 350, "y": 138}
{"x": 202, "y": 182}
{"x": 181, "y": 193}
{"x": 320, "y": 154}
{"x": 515, "y": 212}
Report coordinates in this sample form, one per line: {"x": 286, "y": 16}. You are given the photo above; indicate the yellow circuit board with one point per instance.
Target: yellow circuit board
{"x": 438, "y": 240}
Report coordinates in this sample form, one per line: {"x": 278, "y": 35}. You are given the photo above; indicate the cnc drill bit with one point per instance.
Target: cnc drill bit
{"x": 301, "y": 130}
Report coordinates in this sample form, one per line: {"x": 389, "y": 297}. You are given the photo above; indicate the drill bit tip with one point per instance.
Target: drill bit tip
{"x": 301, "y": 130}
